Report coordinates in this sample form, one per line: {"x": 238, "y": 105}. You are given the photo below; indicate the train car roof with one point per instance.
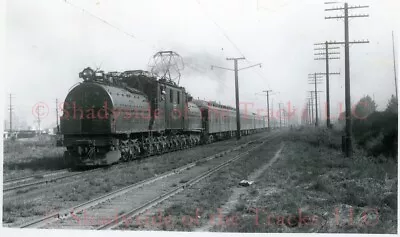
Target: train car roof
{"x": 215, "y": 105}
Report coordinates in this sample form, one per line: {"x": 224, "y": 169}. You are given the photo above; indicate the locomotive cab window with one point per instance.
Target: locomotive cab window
{"x": 171, "y": 96}
{"x": 178, "y": 97}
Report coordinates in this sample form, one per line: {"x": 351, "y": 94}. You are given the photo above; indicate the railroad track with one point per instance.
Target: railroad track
{"x": 66, "y": 216}
{"x": 39, "y": 179}
{"x": 8, "y": 188}
{"x": 142, "y": 208}
{"x": 8, "y": 182}
{"x": 13, "y": 185}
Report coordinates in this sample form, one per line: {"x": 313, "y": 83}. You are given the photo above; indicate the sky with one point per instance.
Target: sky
{"x": 48, "y": 42}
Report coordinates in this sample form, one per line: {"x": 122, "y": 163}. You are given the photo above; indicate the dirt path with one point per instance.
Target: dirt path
{"x": 301, "y": 187}
{"x": 238, "y": 192}
{"x": 199, "y": 204}
{"x": 315, "y": 189}
{"x": 36, "y": 203}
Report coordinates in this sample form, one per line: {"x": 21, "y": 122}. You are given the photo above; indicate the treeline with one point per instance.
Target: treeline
{"x": 376, "y": 131}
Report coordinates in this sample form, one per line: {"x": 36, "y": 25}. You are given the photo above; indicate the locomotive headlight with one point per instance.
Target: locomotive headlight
{"x": 86, "y": 73}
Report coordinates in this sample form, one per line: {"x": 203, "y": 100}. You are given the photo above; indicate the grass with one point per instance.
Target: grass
{"x": 200, "y": 162}
{"x": 207, "y": 198}
{"x": 25, "y": 157}
{"x": 20, "y": 156}
{"x": 116, "y": 177}
{"x": 8, "y": 219}
{"x": 21, "y": 191}
{"x": 40, "y": 159}
{"x": 121, "y": 213}
{"x": 20, "y": 208}
{"x": 301, "y": 191}
{"x": 318, "y": 137}
{"x": 318, "y": 180}
{"x": 35, "y": 142}
{"x": 80, "y": 193}
{"x": 38, "y": 176}
{"x": 241, "y": 207}
{"x": 184, "y": 180}
{"x": 17, "y": 206}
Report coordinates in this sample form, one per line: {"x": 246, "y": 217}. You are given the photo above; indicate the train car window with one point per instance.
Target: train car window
{"x": 171, "y": 96}
{"x": 178, "y": 94}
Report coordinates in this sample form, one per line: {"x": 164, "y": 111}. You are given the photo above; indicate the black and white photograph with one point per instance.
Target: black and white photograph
{"x": 200, "y": 116}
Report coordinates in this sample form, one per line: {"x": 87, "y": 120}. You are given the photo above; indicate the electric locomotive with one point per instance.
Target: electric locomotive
{"x": 113, "y": 116}
{"x": 120, "y": 116}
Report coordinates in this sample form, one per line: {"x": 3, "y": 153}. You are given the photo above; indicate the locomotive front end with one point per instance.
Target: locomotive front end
{"x": 90, "y": 125}
{"x": 86, "y": 125}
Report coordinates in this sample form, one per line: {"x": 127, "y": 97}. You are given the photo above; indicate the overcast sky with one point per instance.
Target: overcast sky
{"x": 48, "y": 42}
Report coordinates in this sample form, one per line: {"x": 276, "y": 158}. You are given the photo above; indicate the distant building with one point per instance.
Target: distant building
{"x": 7, "y": 135}
{"x": 26, "y": 134}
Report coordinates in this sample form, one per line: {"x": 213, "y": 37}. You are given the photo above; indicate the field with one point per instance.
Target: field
{"x": 314, "y": 188}
{"x": 25, "y": 157}
{"x": 302, "y": 183}
{"x": 37, "y": 202}
{"x": 309, "y": 187}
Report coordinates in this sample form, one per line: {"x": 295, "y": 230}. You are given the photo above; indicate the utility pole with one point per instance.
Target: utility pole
{"x": 313, "y": 101}
{"x": 309, "y": 112}
{"x": 316, "y": 100}
{"x": 328, "y": 121}
{"x": 308, "y": 120}
{"x": 38, "y": 118}
{"x": 11, "y": 109}
{"x": 237, "y": 95}
{"x": 58, "y": 126}
{"x": 394, "y": 65}
{"x": 268, "y": 91}
{"x": 346, "y": 43}
{"x": 273, "y": 114}
{"x": 236, "y": 70}
{"x": 315, "y": 81}
{"x": 280, "y": 115}
{"x": 285, "y": 118}
{"x": 312, "y": 108}
{"x": 295, "y": 119}
{"x": 304, "y": 117}
{"x": 267, "y": 94}
{"x": 327, "y": 58}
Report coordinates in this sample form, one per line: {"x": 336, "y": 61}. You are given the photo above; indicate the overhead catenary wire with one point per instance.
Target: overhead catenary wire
{"x": 230, "y": 40}
{"x": 107, "y": 23}
{"x": 119, "y": 29}
{"x": 221, "y": 29}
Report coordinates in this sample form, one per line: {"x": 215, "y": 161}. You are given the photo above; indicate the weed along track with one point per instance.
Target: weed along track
{"x": 31, "y": 185}
{"x": 209, "y": 199}
{"x": 8, "y": 188}
{"x": 20, "y": 180}
{"x": 127, "y": 201}
{"x": 35, "y": 202}
{"x": 203, "y": 172}
{"x": 235, "y": 200}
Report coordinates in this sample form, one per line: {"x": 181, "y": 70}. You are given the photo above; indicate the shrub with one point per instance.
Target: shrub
{"x": 377, "y": 133}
